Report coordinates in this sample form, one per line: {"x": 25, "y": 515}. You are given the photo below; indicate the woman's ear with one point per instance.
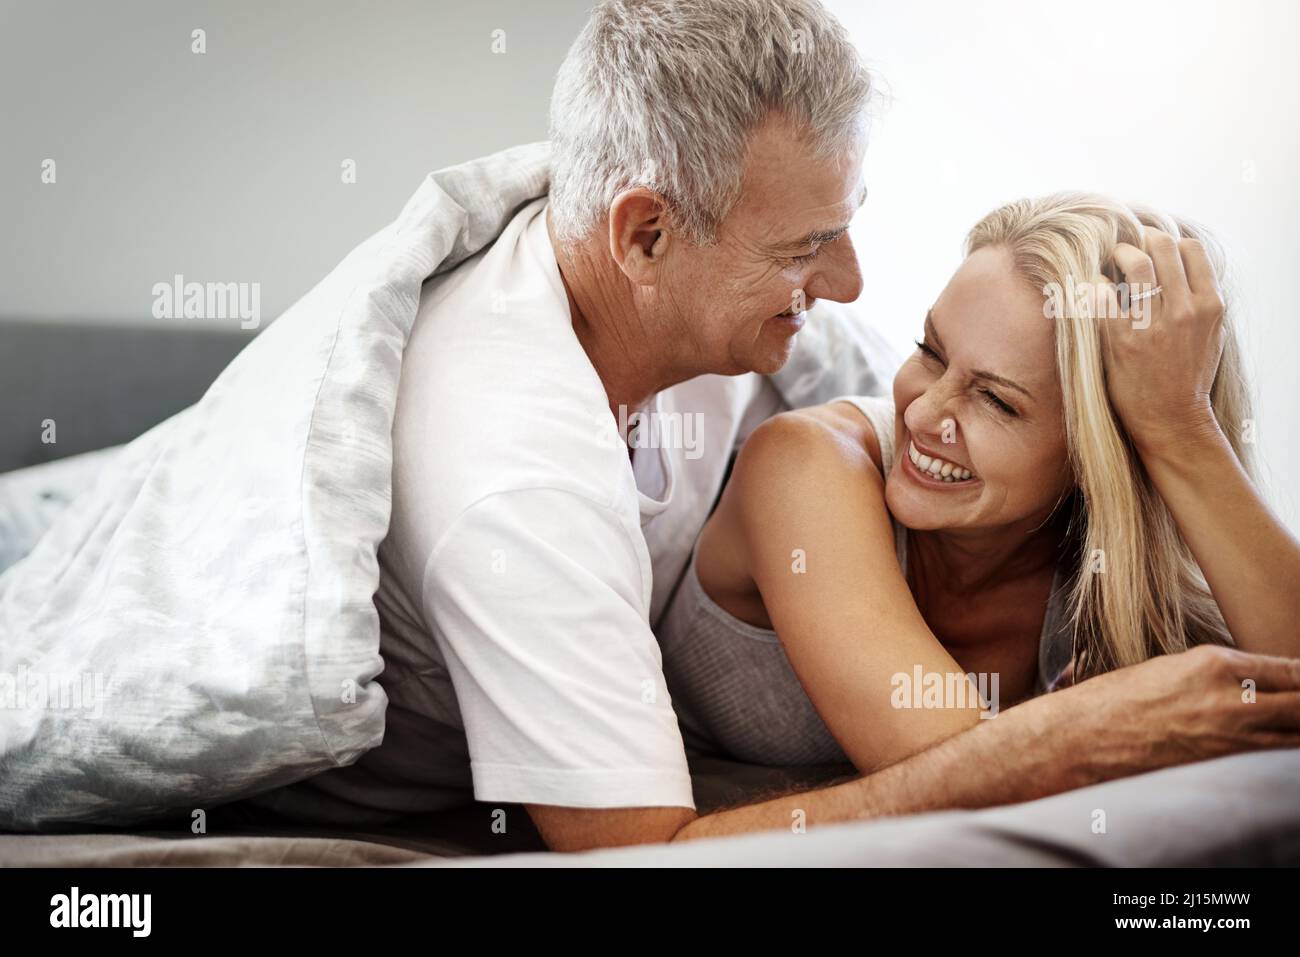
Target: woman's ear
{"x": 639, "y": 235}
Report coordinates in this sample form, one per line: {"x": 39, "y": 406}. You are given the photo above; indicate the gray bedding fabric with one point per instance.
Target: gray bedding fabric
{"x": 102, "y": 382}
{"x": 1241, "y": 811}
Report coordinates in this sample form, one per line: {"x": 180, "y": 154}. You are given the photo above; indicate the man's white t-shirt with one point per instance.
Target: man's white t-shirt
{"x": 528, "y": 556}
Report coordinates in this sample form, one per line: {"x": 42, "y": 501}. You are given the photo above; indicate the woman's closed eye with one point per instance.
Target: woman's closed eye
{"x": 989, "y": 397}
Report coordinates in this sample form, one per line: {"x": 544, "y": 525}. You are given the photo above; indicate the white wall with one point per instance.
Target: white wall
{"x": 1191, "y": 105}
{"x": 226, "y": 166}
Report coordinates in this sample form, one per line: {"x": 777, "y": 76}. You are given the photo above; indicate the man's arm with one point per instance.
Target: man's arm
{"x": 538, "y": 604}
{"x": 1167, "y": 711}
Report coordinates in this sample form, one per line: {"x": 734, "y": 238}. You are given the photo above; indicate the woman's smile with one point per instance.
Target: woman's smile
{"x": 931, "y": 471}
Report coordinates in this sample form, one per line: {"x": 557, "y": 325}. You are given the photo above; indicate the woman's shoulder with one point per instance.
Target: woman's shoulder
{"x": 819, "y": 450}
{"x": 812, "y": 473}
{"x": 843, "y": 429}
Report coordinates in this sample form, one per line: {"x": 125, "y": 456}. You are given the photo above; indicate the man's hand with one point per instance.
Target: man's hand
{"x": 1204, "y": 703}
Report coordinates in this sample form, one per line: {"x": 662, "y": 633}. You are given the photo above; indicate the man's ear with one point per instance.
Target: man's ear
{"x": 639, "y": 234}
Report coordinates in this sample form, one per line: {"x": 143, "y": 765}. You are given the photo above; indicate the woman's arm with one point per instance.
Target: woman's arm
{"x": 1251, "y": 562}
{"x": 1159, "y": 374}
{"x": 809, "y": 505}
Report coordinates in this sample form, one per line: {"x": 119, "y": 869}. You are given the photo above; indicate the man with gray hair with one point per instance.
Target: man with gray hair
{"x": 707, "y": 160}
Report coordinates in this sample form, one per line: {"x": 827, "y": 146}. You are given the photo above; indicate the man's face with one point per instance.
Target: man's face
{"x": 788, "y": 232}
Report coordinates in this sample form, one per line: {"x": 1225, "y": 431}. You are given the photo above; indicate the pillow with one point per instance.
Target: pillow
{"x": 199, "y": 626}
{"x": 32, "y": 498}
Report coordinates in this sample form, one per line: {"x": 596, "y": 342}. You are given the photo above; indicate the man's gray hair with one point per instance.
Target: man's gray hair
{"x": 665, "y": 94}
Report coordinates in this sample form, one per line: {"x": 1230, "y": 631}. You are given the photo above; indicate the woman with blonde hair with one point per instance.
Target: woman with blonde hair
{"x": 1060, "y": 485}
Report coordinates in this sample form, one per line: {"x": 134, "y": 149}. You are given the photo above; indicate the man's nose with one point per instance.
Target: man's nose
{"x": 840, "y": 277}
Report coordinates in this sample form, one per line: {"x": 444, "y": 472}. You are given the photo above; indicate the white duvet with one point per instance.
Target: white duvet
{"x": 199, "y": 626}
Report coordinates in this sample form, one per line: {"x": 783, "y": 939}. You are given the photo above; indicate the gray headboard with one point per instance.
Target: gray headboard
{"x": 102, "y": 383}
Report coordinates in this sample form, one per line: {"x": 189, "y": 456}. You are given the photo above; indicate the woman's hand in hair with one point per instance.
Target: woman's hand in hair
{"x": 1162, "y": 353}
{"x": 1159, "y": 372}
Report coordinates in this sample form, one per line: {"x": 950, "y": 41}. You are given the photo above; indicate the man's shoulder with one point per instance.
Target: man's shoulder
{"x": 462, "y": 434}
{"x": 497, "y": 393}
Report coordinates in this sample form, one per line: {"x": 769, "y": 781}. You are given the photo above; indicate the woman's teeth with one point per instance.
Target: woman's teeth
{"x": 938, "y": 468}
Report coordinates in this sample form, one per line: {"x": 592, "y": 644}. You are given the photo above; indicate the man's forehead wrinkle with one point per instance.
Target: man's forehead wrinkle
{"x": 755, "y": 239}
{"x": 826, "y": 235}
{"x": 771, "y": 233}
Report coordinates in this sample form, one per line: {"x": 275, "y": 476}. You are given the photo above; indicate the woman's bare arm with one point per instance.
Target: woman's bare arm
{"x": 1159, "y": 375}
{"x": 1250, "y": 561}
{"x": 808, "y": 502}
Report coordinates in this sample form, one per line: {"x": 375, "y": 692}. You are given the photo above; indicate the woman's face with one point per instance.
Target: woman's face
{"x": 981, "y": 395}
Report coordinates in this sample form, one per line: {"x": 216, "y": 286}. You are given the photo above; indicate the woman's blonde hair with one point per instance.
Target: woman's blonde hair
{"x": 1136, "y": 591}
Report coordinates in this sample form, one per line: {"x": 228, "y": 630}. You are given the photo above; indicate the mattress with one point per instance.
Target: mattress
{"x": 1239, "y": 811}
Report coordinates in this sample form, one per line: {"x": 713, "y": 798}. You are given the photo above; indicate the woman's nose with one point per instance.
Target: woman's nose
{"x": 929, "y": 416}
